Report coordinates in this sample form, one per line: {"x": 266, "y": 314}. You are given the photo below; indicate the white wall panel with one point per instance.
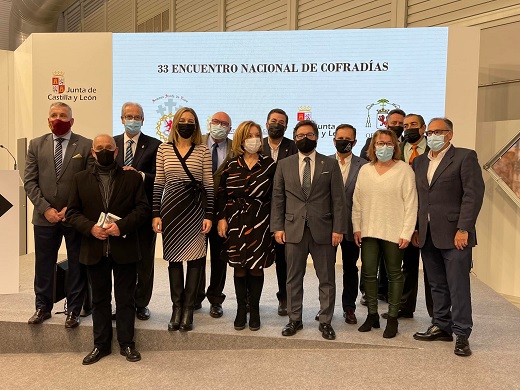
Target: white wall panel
{"x": 5, "y": 12}
{"x": 256, "y": 15}
{"x": 452, "y": 12}
{"x": 120, "y": 15}
{"x": 323, "y": 14}
{"x": 198, "y": 15}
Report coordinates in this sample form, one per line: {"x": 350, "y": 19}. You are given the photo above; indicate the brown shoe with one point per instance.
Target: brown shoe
{"x": 350, "y": 316}
{"x": 38, "y": 317}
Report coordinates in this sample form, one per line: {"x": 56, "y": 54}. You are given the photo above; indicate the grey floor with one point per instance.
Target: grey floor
{"x": 215, "y": 356}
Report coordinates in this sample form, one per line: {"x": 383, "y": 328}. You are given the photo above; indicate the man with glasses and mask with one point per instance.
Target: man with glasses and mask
{"x": 451, "y": 190}
{"x": 349, "y": 164}
{"x": 308, "y": 215}
{"x": 220, "y": 148}
{"x": 278, "y": 147}
{"x": 413, "y": 145}
{"x": 107, "y": 205}
{"x": 138, "y": 152}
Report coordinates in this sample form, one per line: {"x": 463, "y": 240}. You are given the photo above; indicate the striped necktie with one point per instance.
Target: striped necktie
{"x": 58, "y": 156}
{"x": 306, "y": 181}
{"x": 129, "y": 157}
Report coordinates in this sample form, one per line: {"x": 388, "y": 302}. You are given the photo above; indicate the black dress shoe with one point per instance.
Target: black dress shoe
{"x": 142, "y": 313}
{"x": 72, "y": 321}
{"x": 317, "y": 317}
{"x": 326, "y": 331}
{"x": 400, "y": 314}
{"x": 215, "y": 310}
{"x": 350, "y": 316}
{"x": 132, "y": 354}
{"x": 39, "y": 316}
{"x": 282, "y": 307}
{"x": 95, "y": 355}
{"x": 462, "y": 346}
{"x": 433, "y": 333}
{"x": 291, "y": 328}
{"x": 197, "y": 306}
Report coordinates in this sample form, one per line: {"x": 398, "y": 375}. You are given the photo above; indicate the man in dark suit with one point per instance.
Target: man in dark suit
{"x": 308, "y": 215}
{"x": 344, "y": 141}
{"x": 277, "y": 146}
{"x": 219, "y": 145}
{"x": 138, "y": 153}
{"x": 451, "y": 190}
{"x": 52, "y": 161}
{"x": 413, "y": 145}
{"x": 109, "y": 245}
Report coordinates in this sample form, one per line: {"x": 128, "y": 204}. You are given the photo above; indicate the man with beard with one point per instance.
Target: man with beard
{"x": 107, "y": 205}
{"x": 278, "y": 147}
{"x": 308, "y": 215}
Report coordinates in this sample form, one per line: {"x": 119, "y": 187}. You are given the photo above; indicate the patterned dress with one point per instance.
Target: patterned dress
{"x": 244, "y": 199}
{"x": 175, "y": 201}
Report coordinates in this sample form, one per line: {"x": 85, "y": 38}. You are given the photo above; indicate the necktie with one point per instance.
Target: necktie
{"x": 129, "y": 157}
{"x": 414, "y": 154}
{"x": 214, "y": 158}
{"x": 58, "y": 156}
{"x": 306, "y": 181}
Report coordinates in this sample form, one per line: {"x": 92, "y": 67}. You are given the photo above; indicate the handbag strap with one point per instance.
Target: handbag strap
{"x": 183, "y": 162}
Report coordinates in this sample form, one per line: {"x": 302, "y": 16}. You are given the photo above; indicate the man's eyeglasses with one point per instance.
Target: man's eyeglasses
{"x": 380, "y": 144}
{"x": 436, "y": 132}
{"x": 308, "y": 135}
{"x": 217, "y": 122}
{"x": 133, "y": 117}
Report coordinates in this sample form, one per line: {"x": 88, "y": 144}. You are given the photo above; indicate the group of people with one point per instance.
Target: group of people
{"x": 256, "y": 201}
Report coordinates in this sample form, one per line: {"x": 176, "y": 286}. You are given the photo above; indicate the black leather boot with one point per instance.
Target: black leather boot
{"x": 176, "y": 276}
{"x": 391, "y": 328}
{"x": 241, "y": 293}
{"x": 254, "y": 285}
{"x": 372, "y": 321}
{"x": 193, "y": 275}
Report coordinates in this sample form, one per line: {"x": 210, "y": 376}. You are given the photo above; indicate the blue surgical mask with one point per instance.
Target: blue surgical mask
{"x": 384, "y": 153}
{"x": 435, "y": 142}
{"x": 218, "y": 131}
{"x": 133, "y": 127}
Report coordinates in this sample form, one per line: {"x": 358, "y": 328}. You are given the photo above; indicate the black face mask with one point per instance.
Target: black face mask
{"x": 398, "y": 130}
{"x": 105, "y": 157}
{"x": 276, "y": 130}
{"x": 411, "y": 135}
{"x": 186, "y": 130}
{"x": 344, "y": 145}
{"x": 306, "y": 145}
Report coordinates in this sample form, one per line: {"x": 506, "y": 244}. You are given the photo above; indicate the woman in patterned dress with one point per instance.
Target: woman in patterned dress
{"x": 182, "y": 211}
{"x": 244, "y": 204}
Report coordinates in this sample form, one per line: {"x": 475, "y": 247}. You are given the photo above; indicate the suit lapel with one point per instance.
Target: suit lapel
{"x": 121, "y": 153}
{"x": 139, "y": 150}
{"x": 445, "y": 163}
{"x": 49, "y": 149}
{"x": 69, "y": 152}
{"x": 354, "y": 167}
{"x": 318, "y": 168}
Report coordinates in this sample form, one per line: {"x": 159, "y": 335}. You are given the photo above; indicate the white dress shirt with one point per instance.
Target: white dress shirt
{"x": 345, "y": 166}
{"x": 221, "y": 150}
{"x": 434, "y": 163}
{"x": 274, "y": 150}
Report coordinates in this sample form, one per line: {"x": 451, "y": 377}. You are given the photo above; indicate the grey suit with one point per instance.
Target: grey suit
{"x": 45, "y": 191}
{"x": 450, "y": 202}
{"x": 349, "y": 249}
{"x": 308, "y": 225}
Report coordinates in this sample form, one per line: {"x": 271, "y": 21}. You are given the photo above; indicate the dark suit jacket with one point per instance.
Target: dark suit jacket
{"x": 144, "y": 159}
{"x": 325, "y": 209}
{"x": 401, "y": 148}
{"x": 128, "y": 201}
{"x": 452, "y": 200}
{"x": 42, "y": 186}
{"x": 350, "y": 185}
{"x": 287, "y": 148}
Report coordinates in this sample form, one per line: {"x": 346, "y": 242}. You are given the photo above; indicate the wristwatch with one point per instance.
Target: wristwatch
{"x": 463, "y": 231}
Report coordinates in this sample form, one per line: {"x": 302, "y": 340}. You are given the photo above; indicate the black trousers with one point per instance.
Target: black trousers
{"x": 217, "y": 279}
{"x": 349, "y": 257}
{"x": 100, "y": 277}
{"x": 281, "y": 271}
{"x": 145, "y": 268}
{"x": 411, "y": 278}
{"x": 47, "y": 242}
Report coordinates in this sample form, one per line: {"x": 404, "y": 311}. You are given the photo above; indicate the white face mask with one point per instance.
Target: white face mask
{"x": 252, "y": 145}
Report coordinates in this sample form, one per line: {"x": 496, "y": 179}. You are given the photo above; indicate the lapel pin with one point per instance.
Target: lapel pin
{"x": 322, "y": 162}
{"x": 142, "y": 146}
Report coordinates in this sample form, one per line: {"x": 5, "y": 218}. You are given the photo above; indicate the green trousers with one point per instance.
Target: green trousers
{"x": 371, "y": 248}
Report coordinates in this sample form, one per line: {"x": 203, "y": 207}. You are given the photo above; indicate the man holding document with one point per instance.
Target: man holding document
{"x": 107, "y": 205}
